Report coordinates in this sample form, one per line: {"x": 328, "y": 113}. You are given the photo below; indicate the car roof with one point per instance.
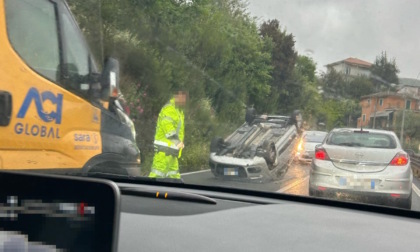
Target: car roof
{"x": 315, "y": 132}
{"x": 365, "y": 129}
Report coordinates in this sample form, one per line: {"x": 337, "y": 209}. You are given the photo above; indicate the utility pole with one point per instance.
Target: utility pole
{"x": 374, "y": 112}
{"x": 402, "y": 127}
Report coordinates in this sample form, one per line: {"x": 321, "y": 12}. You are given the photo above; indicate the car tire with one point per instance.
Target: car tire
{"x": 250, "y": 115}
{"x": 108, "y": 168}
{"x": 215, "y": 144}
{"x": 270, "y": 155}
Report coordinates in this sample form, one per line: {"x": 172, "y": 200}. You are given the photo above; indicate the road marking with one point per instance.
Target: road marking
{"x": 194, "y": 172}
{"x": 296, "y": 183}
{"x": 416, "y": 190}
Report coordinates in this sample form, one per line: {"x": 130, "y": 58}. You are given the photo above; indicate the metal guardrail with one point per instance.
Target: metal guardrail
{"x": 415, "y": 165}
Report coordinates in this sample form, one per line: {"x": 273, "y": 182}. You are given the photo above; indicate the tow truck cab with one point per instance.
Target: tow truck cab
{"x": 58, "y": 113}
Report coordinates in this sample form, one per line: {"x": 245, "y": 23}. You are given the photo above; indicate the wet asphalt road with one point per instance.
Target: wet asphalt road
{"x": 295, "y": 181}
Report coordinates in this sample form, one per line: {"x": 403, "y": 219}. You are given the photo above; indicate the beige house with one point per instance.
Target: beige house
{"x": 351, "y": 67}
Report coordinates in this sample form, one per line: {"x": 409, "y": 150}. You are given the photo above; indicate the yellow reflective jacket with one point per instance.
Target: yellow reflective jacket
{"x": 170, "y": 125}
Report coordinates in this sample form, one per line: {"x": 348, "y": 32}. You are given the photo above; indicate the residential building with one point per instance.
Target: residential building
{"x": 351, "y": 67}
{"x": 378, "y": 109}
{"x": 409, "y": 86}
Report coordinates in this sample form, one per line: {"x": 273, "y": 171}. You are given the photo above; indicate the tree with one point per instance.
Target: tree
{"x": 211, "y": 48}
{"x": 306, "y": 67}
{"x": 283, "y": 57}
{"x": 305, "y": 80}
{"x": 358, "y": 87}
{"x": 333, "y": 84}
{"x": 411, "y": 123}
{"x": 385, "y": 71}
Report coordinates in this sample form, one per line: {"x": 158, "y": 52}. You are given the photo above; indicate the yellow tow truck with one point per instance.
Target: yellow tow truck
{"x": 58, "y": 113}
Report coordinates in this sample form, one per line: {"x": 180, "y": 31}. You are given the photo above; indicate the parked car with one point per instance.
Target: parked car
{"x": 306, "y": 147}
{"x": 261, "y": 148}
{"x": 367, "y": 165}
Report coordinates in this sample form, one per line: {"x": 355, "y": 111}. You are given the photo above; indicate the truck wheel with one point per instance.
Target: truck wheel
{"x": 108, "y": 168}
{"x": 250, "y": 115}
{"x": 215, "y": 144}
{"x": 269, "y": 152}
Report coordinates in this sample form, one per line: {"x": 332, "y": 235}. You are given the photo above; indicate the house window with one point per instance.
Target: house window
{"x": 407, "y": 104}
{"x": 369, "y": 101}
{"x": 381, "y": 101}
{"x": 364, "y": 117}
{"x": 348, "y": 70}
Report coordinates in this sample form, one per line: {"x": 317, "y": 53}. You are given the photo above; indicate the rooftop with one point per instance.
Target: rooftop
{"x": 409, "y": 82}
{"x": 353, "y": 61}
{"x": 388, "y": 94}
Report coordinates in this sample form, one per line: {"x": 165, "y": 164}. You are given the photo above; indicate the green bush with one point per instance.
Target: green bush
{"x": 195, "y": 157}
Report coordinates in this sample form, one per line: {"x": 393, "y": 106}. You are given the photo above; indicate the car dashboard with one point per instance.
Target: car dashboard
{"x": 254, "y": 223}
{"x": 97, "y": 214}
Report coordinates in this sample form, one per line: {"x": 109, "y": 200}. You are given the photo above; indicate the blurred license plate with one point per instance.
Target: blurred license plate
{"x": 343, "y": 181}
{"x": 231, "y": 171}
{"x": 357, "y": 183}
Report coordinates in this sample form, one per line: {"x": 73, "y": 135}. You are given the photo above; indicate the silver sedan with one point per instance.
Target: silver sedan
{"x": 307, "y": 143}
{"x": 362, "y": 165}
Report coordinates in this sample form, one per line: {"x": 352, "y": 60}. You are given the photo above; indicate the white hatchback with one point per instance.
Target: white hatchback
{"x": 362, "y": 165}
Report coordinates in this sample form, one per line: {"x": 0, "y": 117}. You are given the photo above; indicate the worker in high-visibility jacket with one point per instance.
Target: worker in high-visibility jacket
{"x": 169, "y": 138}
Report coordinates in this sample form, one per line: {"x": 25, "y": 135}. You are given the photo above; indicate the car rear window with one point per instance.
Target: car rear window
{"x": 315, "y": 138}
{"x": 369, "y": 140}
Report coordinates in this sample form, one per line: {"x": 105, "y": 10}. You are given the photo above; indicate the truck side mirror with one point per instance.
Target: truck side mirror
{"x": 110, "y": 79}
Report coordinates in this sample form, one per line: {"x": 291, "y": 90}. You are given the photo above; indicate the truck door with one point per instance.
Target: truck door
{"x": 45, "y": 66}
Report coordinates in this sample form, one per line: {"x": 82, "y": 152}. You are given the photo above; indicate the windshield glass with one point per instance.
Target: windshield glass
{"x": 314, "y": 138}
{"x": 369, "y": 140}
{"x": 223, "y": 93}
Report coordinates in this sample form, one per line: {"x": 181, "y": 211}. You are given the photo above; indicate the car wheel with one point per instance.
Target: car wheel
{"x": 269, "y": 152}
{"x": 250, "y": 115}
{"x": 215, "y": 144}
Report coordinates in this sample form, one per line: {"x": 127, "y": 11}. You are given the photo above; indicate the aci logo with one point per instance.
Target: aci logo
{"x": 39, "y": 99}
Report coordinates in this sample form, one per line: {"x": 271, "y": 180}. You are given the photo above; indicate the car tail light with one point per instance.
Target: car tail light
{"x": 400, "y": 159}
{"x": 321, "y": 154}
{"x": 321, "y": 188}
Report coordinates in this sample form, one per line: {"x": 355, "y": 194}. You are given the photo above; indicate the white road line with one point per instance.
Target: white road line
{"x": 416, "y": 190}
{"x": 189, "y": 173}
{"x": 296, "y": 183}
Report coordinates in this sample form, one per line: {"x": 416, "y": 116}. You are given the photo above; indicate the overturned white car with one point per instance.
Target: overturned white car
{"x": 262, "y": 148}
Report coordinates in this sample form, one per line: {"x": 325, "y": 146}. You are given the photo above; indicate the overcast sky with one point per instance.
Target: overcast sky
{"x": 331, "y": 30}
